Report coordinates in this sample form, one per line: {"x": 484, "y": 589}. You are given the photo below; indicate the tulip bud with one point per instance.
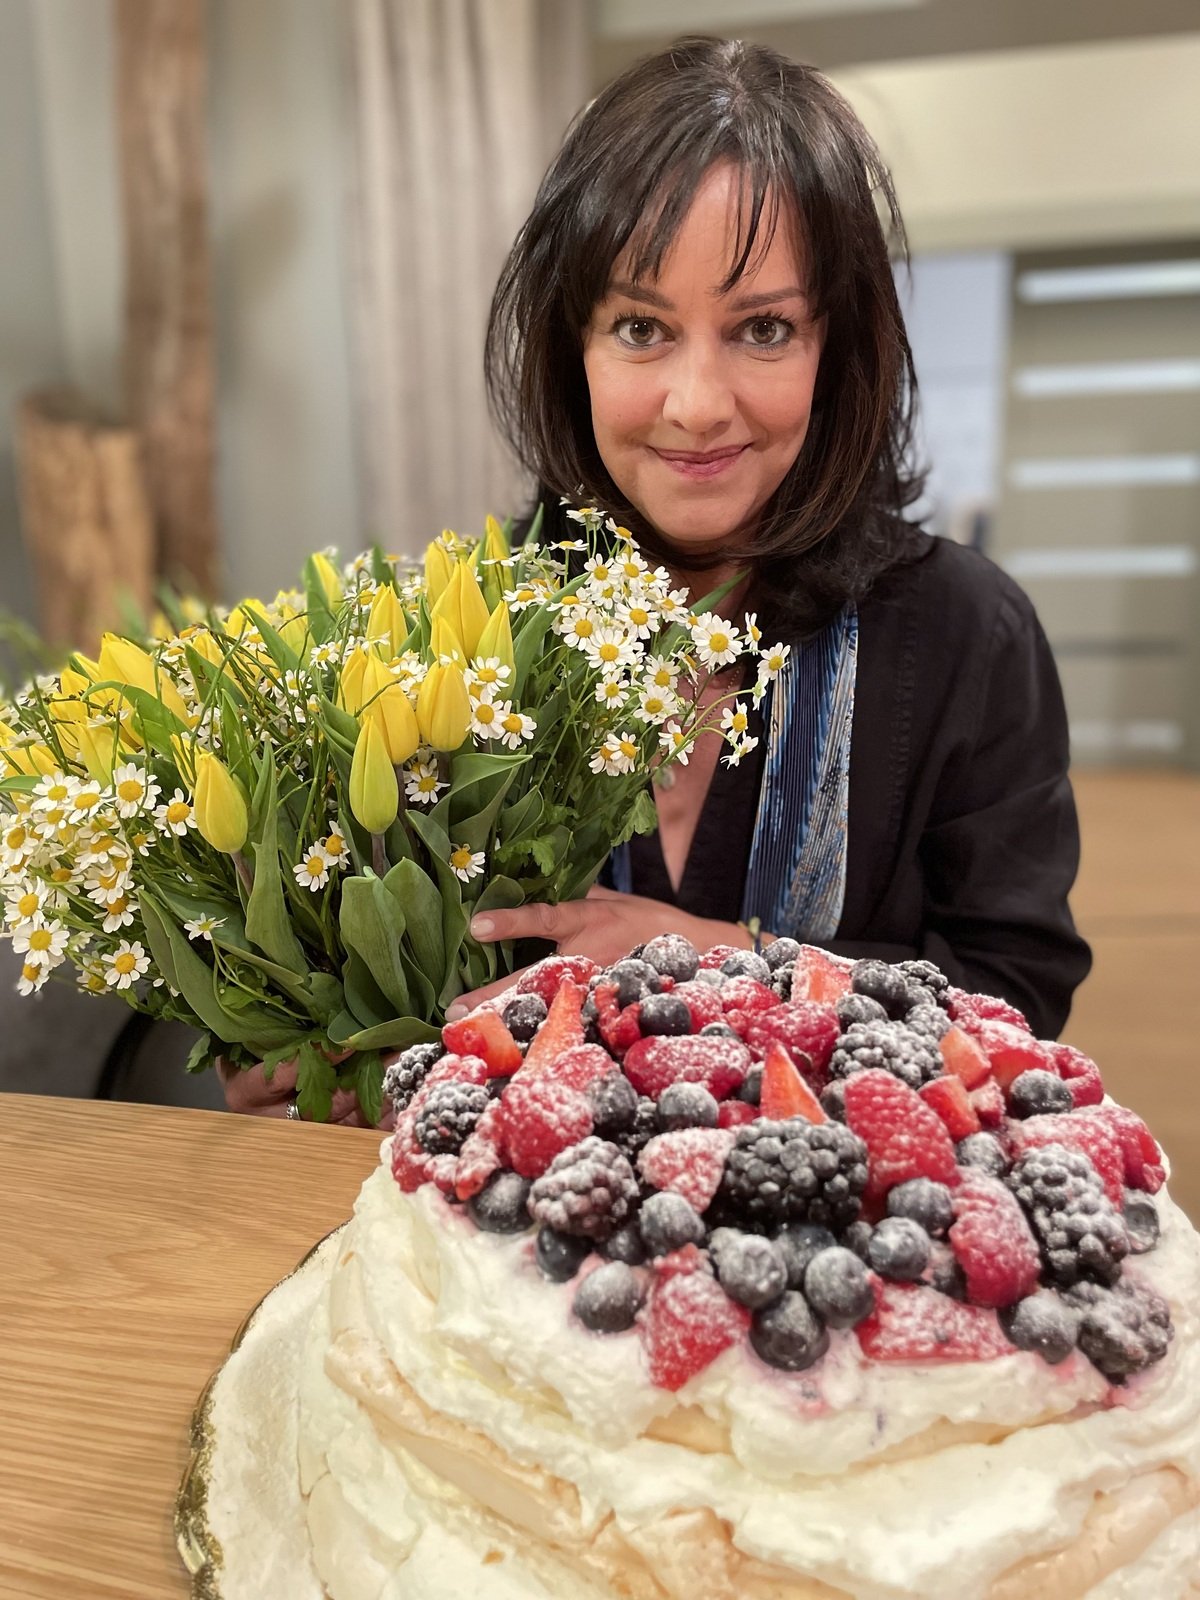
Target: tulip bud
{"x": 386, "y": 703}
{"x": 497, "y": 640}
{"x": 97, "y": 748}
{"x": 490, "y": 552}
{"x": 161, "y": 626}
{"x": 386, "y": 623}
{"x": 464, "y": 607}
{"x": 350, "y": 687}
{"x": 205, "y": 644}
{"x": 330, "y": 582}
{"x": 222, "y": 817}
{"x": 444, "y": 642}
{"x": 79, "y": 674}
{"x": 443, "y": 708}
{"x": 374, "y": 792}
{"x": 127, "y": 663}
{"x": 293, "y": 630}
{"x": 439, "y": 567}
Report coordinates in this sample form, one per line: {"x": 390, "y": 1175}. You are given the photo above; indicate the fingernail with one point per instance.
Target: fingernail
{"x": 481, "y": 927}
{"x": 455, "y": 1012}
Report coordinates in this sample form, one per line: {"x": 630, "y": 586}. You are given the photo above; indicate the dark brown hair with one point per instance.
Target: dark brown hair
{"x": 626, "y": 175}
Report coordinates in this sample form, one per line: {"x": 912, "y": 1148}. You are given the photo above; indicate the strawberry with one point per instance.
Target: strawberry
{"x": 965, "y": 1057}
{"x": 688, "y": 1319}
{"x": 482, "y": 1154}
{"x": 719, "y": 1064}
{"x": 688, "y": 1161}
{"x": 784, "y": 1092}
{"x": 1142, "y": 1158}
{"x": 747, "y": 995}
{"x": 735, "y": 1114}
{"x": 817, "y": 976}
{"x": 544, "y": 977}
{"x": 807, "y": 1029}
{"x": 1077, "y": 1130}
{"x": 905, "y": 1138}
{"x": 913, "y": 1323}
{"x": 1079, "y": 1072}
{"x": 702, "y": 1001}
{"x": 949, "y": 1098}
{"x": 1011, "y": 1051}
{"x": 715, "y": 958}
{"x": 483, "y": 1034}
{"x": 992, "y": 1242}
{"x": 988, "y": 1101}
{"x": 562, "y": 1028}
{"x": 970, "y": 1011}
{"x": 539, "y": 1117}
{"x": 621, "y": 1029}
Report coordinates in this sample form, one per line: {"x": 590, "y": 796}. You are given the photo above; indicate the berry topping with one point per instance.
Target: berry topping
{"x": 988, "y": 1101}
{"x": 1080, "y": 1131}
{"x": 560, "y": 1255}
{"x": 686, "y": 1105}
{"x": 643, "y": 1128}
{"x": 1080, "y": 1073}
{"x": 588, "y": 1190}
{"x": 484, "y": 1034}
{"x": 924, "y": 1201}
{"x": 447, "y": 1114}
{"x": 409, "y": 1071}
{"x": 688, "y": 1161}
{"x": 673, "y": 956}
{"x": 524, "y": 1016}
{"x": 965, "y": 1057}
{"x": 949, "y": 1098}
{"x": 745, "y": 964}
{"x": 712, "y": 959}
{"x": 992, "y": 1242}
{"x": 745, "y": 996}
{"x": 688, "y": 1320}
{"x": 718, "y": 1030}
{"x": 634, "y": 980}
{"x": 795, "y": 1172}
{"x": 664, "y": 1014}
{"x": 783, "y": 1092}
{"x": 890, "y": 1046}
{"x": 1141, "y": 1158}
{"x": 703, "y": 1001}
{"x": 609, "y": 1299}
{"x": 546, "y": 977}
{"x": 735, "y": 1114}
{"x": 929, "y": 1020}
{"x": 799, "y": 1243}
{"x": 926, "y": 975}
{"x": 625, "y": 1245}
{"x": 1011, "y": 1051}
{"x": 972, "y": 1010}
{"x": 1038, "y": 1093}
{"x": 562, "y": 1028}
{"x": 538, "y": 1119}
{"x": 914, "y": 1323}
{"x": 882, "y": 982}
{"x": 668, "y": 1222}
{"x": 816, "y": 975}
{"x": 614, "y": 1103}
{"x": 839, "y": 1288}
{"x": 899, "y": 1249}
{"x": 857, "y": 1237}
{"x": 1044, "y": 1323}
{"x": 1080, "y": 1233}
{"x": 852, "y": 1008}
{"x": 781, "y": 953}
{"x": 787, "y": 1334}
{"x": 719, "y": 1064}
{"x": 983, "y": 1150}
{"x": 502, "y": 1205}
{"x": 944, "y": 1273}
{"x": 750, "y": 1090}
{"x": 905, "y": 1138}
{"x": 749, "y": 1268}
{"x": 833, "y": 1099}
{"x": 1141, "y": 1222}
{"x": 1124, "y": 1329}
{"x": 806, "y": 1030}
{"x": 482, "y": 1152}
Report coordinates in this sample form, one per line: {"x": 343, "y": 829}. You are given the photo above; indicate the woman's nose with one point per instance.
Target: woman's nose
{"x": 699, "y": 397}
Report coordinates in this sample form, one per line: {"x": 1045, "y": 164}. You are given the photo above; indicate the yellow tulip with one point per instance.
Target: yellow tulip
{"x": 444, "y": 642}
{"x": 126, "y": 662}
{"x": 244, "y": 617}
{"x": 439, "y": 567}
{"x": 497, "y": 640}
{"x": 161, "y": 626}
{"x": 374, "y": 792}
{"x": 491, "y": 550}
{"x": 386, "y": 622}
{"x": 206, "y": 644}
{"x": 222, "y": 817}
{"x": 350, "y": 687}
{"x": 79, "y": 674}
{"x": 97, "y": 748}
{"x": 293, "y": 630}
{"x": 331, "y": 583}
{"x": 29, "y": 760}
{"x": 443, "y": 708}
{"x": 462, "y": 604}
{"x": 386, "y": 703}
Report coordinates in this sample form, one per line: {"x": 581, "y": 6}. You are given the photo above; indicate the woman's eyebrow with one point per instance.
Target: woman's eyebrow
{"x": 745, "y": 302}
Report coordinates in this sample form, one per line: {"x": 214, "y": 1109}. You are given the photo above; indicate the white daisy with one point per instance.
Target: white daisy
{"x": 656, "y": 705}
{"x": 753, "y": 631}
{"x": 313, "y": 872}
{"x": 579, "y": 627}
{"x": 421, "y": 783}
{"x": 717, "y": 642}
{"x": 630, "y": 566}
{"x": 612, "y": 691}
{"x": 487, "y": 715}
{"x": 771, "y": 661}
{"x": 140, "y": 841}
{"x": 660, "y": 673}
{"x": 676, "y": 743}
{"x": 599, "y": 569}
{"x": 175, "y": 815}
{"x": 54, "y": 791}
{"x": 467, "y": 863}
{"x": 85, "y": 802}
{"x": 17, "y": 843}
{"x": 486, "y": 672}
{"x": 742, "y": 748}
{"x": 202, "y": 927}
{"x": 637, "y": 617}
{"x": 135, "y": 789}
{"x": 334, "y": 848}
{"x": 118, "y": 915}
{"x": 33, "y": 975}
{"x": 106, "y": 888}
{"x": 618, "y": 754}
{"x": 610, "y": 649}
{"x": 323, "y": 655}
{"x": 735, "y": 721}
{"x": 516, "y": 728}
{"x": 44, "y": 944}
{"x": 524, "y": 596}
{"x": 126, "y": 963}
{"x": 25, "y": 903}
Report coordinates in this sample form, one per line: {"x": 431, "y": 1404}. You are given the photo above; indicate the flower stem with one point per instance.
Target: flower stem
{"x": 243, "y": 870}
{"x": 379, "y": 860}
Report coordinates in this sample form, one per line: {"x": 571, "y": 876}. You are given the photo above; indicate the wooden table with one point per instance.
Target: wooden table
{"x": 133, "y": 1241}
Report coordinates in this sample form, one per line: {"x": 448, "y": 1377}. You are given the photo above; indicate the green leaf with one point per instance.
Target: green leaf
{"x": 315, "y": 1082}
{"x": 20, "y": 785}
{"x": 421, "y": 905}
{"x": 268, "y": 924}
{"x": 372, "y": 925}
{"x": 527, "y": 647}
{"x": 521, "y": 817}
{"x": 550, "y": 850}
{"x": 454, "y": 918}
{"x": 201, "y": 1054}
{"x": 338, "y": 724}
{"x": 321, "y": 621}
{"x": 155, "y": 723}
{"x": 368, "y": 1085}
{"x": 365, "y": 1001}
{"x": 395, "y": 1035}
{"x": 326, "y": 996}
{"x": 281, "y": 653}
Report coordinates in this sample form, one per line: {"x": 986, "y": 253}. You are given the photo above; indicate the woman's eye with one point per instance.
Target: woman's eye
{"x": 638, "y": 331}
{"x": 768, "y": 331}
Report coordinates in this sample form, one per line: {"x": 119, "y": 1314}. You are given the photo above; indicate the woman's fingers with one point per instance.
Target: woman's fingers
{"x": 536, "y": 921}
{"x": 247, "y": 1089}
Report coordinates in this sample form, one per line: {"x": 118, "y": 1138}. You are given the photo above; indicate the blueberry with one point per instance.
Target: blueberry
{"x": 780, "y": 952}
{"x": 838, "y": 1287}
{"x": 497, "y": 1086}
{"x": 664, "y": 1014}
{"x": 559, "y": 1255}
{"x": 984, "y": 1151}
{"x": 799, "y": 1243}
{"x": 899, "y": 1249}
{"x": 668, "y": 1222}
{"x": 718, "y": 1030}
{"x": 502, "y": 1205}
{"x": 634, "y": 980}
{"x": 745, "y": 964}
{"x": 608, "y": 1299}
{"x": 710, "y": 976}
{"x": 750, "y": 1088}
{"x": 857, "y": 1237}
{"x": 1141, "y": 1222}
{"x": 750, "y": 1268}
{"x": 853, "y": 1008}
{"x": 881, "y": 982}
{"x": 833, "y": 1099}
{"x": 625, "y": 1245}
{"x": 524, "y": 1015}
{"x": 614, "y": 1103}
{"x": 1042, "y": 1323}
{"x": 926, "y": 1202}
{"x": 945, "y": 1273}
{"x": 1037, "y": 1093}
{"x": 686, "y": 1105}
{"x": 673, "y": 956}
{"x": 787, "y": 1334}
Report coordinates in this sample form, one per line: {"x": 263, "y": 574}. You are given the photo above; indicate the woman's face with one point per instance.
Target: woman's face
{"x": 701, "y": 400}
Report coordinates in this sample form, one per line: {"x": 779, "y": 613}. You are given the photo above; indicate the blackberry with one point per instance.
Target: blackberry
{"x": 641, "y": 1130}
{"x": 780, "y": 953}
{"x": 929, "y": 1020}
{"x": 749, "y": 1091}
{"x": 524, "y": 1015}
{"x": 718, "y": 1030}
{"x": 927, "y": 975}
{"x": 1037, "y": 1093}
{"x": 795, "y": 1171}
{"x": 668, "y": 1222}
{"x": 588, "y": 1189}
{"x": 589, "y": 1015}
{"x": 799, "y": 1243}
{"x": 882, "y": 982}
{"x": 982, "y": 1150}
{"x": 909, "y": 1056}
{"x": 614, "y": 1103}
{"x": 560, "y": 1255}
{"x": 899, "y": 1249}
{"x": 448, "y": 1116}
{"x": 496, "y": 1087}
{"x": 502, "y": 1205}
{"x": 673, "y": 956}
{"x": 634, "y": 980}
{"x": 664, "y": 1014}
{"x": 625, "y": 1245}
{"x": 686, "y": 1105}
{"x": 409, "y": 1071}
{"x": 745, "y": 964}
{"x": 608, "y": 1299}
{"x": 853, "y": 1008}
{"x": 1122, "y": 1330}
{"x": 1080, "y": 1233}
{"x": 750, "y": 1268}
{"x": 926, "y": 1202}
{"x": 1141, "y": 1222}
{"x": 787, "y": 1334}
{"x": 833, "y": 1100}
{"x": 783, "y": 979}
{"x": 1042, "y": 1322}
{"x": 838, "y": 1287}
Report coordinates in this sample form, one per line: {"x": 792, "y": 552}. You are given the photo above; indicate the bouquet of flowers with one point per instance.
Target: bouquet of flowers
{"x": 275, "y": 822}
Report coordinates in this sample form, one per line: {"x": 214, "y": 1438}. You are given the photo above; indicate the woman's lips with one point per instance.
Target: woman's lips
{"x": 701, "y": 466}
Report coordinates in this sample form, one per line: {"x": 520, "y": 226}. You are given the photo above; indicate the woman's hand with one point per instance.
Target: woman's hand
{"x": 248, "y": 1091}
{"x": 605, "y": 926}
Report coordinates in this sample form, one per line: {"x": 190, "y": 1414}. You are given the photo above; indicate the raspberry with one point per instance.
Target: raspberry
{"x": 1078, "y": 1131}
{"x": 545, "y": 977}
{"x": 703, "y": 1003}
{"x": 908, "y": 1056}
{"x": 411, "y": 1167}
{"x": 673, "y": 956}
{"x": 688, "y": 1320}
{"x": 1079, "y": 1072}
{"x": 481, "y": 1154}
{"x": 1141, "y": 1157}
{"x": 538, "y": 1119}
{"x": 689, "y": 1162}
{"x": 1080, "y": 1233}
{"x": 804, "y": 1029}
{"x": 746, "y": 994}
{"x": 719, "y": 1064}
{"x": 992, "y": 1242}
{"x": 972, "y": 1010}
{"x": 914, "y": 1323}
{"x": 904, "y": 1137}
{"x": 409, "y": 1071}
{"x": 448, "y": 1113}
{"x": 713, "y": 959}
{"x": 620, "y": 1029}
{"x": 588, "y": 1190}
{"x": 582, "y": 1066}
{"x": 795, "y": 1171}
{"x": 1123, "y": 1330}
{"x": 735, "y": 1114}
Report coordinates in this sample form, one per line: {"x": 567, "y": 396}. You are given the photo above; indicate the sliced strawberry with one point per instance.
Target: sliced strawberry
{"x": 784, "y": 1092}
{"x": 1143, "y": 1160}
{"x": 1011, "y": 1051}
{"x": 949, "y": 1098}
{"x": 817, "y": 976}
{"x": 482, "y": 1154}
{"x": 992, "y": 1242}
{"x": 703, "y": 1003}
{"x": 540, "y": 1117}
{"x": 1077, "y": 1130}
{"x": 988, "y": 1101}
{"x": 688, "y": 1161}
{"x": 715, "y": 957}
{"x": 688, "y": 1320}
{"x": 913, "y": 1323}
{"x": 736, "y": 1114}
{"x": 544, "y": 977}
{"x": 483, "y": 1034}
{"x": 970, "y": 1011}
{"x": 1079, "y": 1072}
{"x": 905, "y": 1138}
{"x": 965, "y": 1057}
{"x": 805, "y": 1028}
{"x": 621, "y": 1029}
{"x": 562, "y": 1028}
{"x": 719, "y": 1064}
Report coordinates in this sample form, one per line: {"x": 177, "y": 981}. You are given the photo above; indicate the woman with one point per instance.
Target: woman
{"x": 698, "y": 330}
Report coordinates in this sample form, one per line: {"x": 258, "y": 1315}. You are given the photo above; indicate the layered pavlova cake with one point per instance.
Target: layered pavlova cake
{"x": 741, "y": 1277}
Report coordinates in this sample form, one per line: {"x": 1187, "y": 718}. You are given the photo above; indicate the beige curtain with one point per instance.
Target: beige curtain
{"x": 458, "y": 106}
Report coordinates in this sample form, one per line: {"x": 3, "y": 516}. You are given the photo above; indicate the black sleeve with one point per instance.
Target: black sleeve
{"x": 1001, "y": 847}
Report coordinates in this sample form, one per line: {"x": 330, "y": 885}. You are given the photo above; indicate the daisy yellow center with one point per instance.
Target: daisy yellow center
{"x": 631, "y": 569}
{"x": 461, "y": 858}
{"x": 130, "y": 789}
{"x": 15, "y": 838}
{"x": 125, "y": 963}
{"x": 601, "y": 574}
{"x": 639, "y": 616}
{"x": 40, "y": 939}
{"x": 739, "y": 722}
{"x": 628, "y": 748}
{"x": 31, "y": 972}
{"x": 140, "y": 840}
{"x": 654, "y": 702}
{"x": 427, "y": 784}
{"x": 718, "y": 641}
{"x": 511, "y": 723}
{"x": 178, "y": 811}
{"x": 524, "y": 595}
{"x": 485, "y": 712}
{"x": 87, "y": 799}
{"x": 569, "y": 600}
{"x": 335, "y": 844}
{"x": 27, "y": 904}
{"x": 315, "y": 865}
{"x": 610, "y": 652}
{"x": 61, "y": 875}
{"x": 118, "y": 908}
{"x": 56, "y": 791}
{"x": 487, "y": 675}
{"x": 584, "y": 627}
